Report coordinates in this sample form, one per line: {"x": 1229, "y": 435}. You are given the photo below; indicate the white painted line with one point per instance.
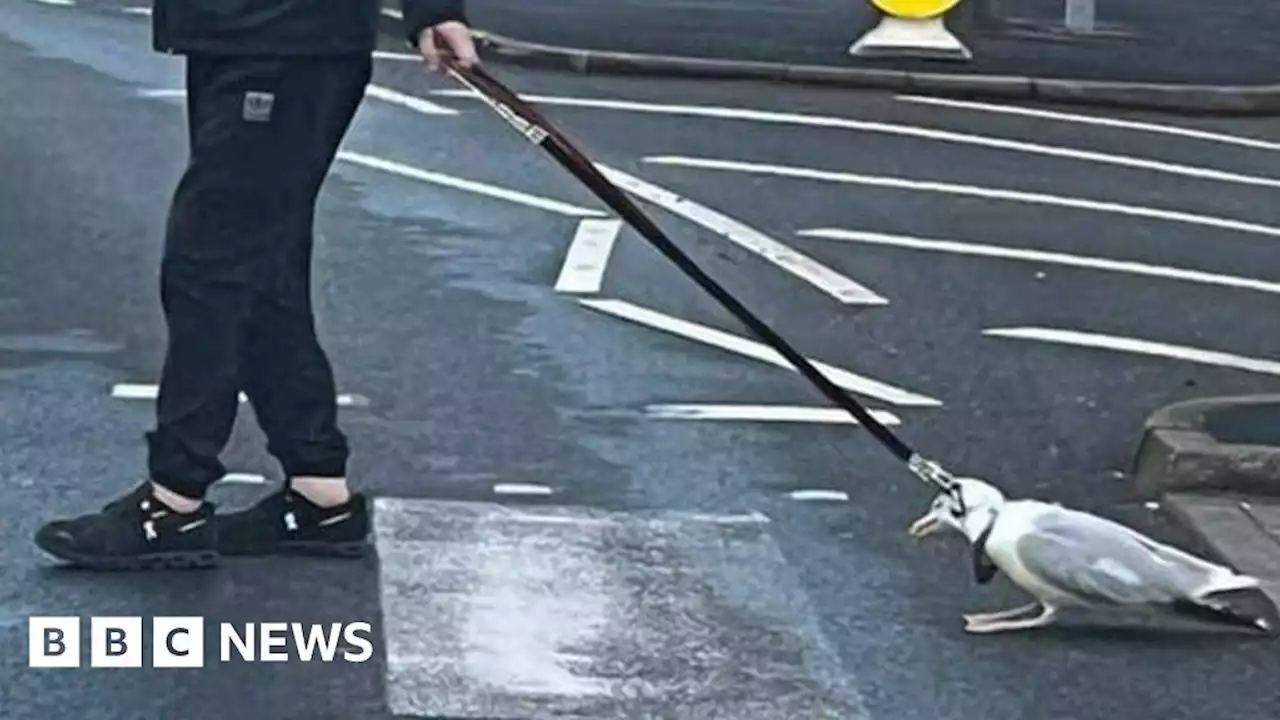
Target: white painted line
{"x": 769, "y": 116}
{"x": 393, "y": 13}
{"x": 757, "y": 351}
{"x": 59, "y": 3}
{"x": 588, "y": 256}
{"x": 136, "y": 11}
{"x": 1082, "y": 261}
{"x": 520, "y": 489}
{"x": 140, "y": 391}
{"x": 473, "y": 186}
{"x": 763, "y": 413}
{"x": 163, "y": 93}
{"x": 1141, "y": 347}
{"x": 132, "y": 391}
{"x": 352, "y": 400}
{"x": 811, "y": 271}
{"x": 243, "y": 479}
{"x": 1098, "y": 121}
{"x": 966, "y": 190}
{"x": 385, "y": 55}
{"x": 819, "y": 495}
{"x": 416, "y": 104}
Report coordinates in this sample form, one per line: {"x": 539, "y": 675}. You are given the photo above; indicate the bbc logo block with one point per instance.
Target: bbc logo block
{"x": 116, "y": 642}
{"x": 54, "y": 642}
{"x": 179, "y": 642}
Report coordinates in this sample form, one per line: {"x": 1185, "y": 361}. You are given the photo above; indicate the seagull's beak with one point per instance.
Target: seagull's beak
{"x": 925, "y": 526}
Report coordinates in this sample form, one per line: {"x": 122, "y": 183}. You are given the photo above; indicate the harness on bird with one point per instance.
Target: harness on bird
{"x": 984, "y": 570}
{"x": 535, "y": 128}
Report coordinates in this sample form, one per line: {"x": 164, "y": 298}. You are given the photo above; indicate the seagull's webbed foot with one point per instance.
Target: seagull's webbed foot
{"x": 1045, "y": 617}
{"x": 1001, "y": 615}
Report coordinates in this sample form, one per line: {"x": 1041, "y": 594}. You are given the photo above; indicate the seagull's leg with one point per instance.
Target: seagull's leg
{"x": 1045, "y": 617}
{"x": 1001, "y": 615}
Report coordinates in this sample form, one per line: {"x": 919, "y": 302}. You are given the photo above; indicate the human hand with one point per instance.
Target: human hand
{"x": 448, "y": 39}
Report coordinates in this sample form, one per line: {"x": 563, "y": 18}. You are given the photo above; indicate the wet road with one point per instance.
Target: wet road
{"x": 1017, "y": 290}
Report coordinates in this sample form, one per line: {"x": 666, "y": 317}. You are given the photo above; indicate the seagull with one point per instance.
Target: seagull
{"x": 1069, "y": 558}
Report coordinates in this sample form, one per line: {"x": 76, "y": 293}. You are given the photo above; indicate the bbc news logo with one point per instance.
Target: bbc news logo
{"x": 179, "y": 642}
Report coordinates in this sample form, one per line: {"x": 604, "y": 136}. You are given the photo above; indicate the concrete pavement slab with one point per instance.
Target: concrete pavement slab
{"x": 1229, "y": 444}
{"x": 1215, "y": 462}
{"x": 1244, "y": 533}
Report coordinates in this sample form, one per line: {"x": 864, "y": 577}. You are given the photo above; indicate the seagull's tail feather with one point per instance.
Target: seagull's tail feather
{"x": 1221, "y": 614}
{"x": 1228, "y": 581}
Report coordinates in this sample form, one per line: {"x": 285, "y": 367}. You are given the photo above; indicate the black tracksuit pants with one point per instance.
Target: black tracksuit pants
{"x": 236, "y": 273}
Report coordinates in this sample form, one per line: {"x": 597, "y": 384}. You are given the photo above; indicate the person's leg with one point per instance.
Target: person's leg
{"x": 288, "y": 376}
{"x": 286, "y": 373}
{"x": 224, "y": 226}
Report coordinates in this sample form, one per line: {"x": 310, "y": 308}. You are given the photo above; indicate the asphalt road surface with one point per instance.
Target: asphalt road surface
{"x": 1015, "y": 288}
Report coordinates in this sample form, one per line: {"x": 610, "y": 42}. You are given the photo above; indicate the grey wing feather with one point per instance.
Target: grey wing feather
{"x": 1099, "y": 561}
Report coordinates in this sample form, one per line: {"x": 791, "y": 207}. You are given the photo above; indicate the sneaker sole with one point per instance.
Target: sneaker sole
{"x": 353, "y": 550}
{"x": 198, "y": 560}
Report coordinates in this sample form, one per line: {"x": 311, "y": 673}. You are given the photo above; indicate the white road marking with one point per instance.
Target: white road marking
{"x": 1082, "y": 261}
{"x": 820, "y": 495}
{"x": 163, "y": 93}
{"x": 520, "y": 489}
{"x": 410, "y": 102}
{"x": 588, "y": 256}
{"x": 393, "y": 13}
{"x": 748, "y": 238}
{"x": 763, "y": 413}
{"x": 966, "y": 190}
{"x": 1141, "y": 347}
{"x": 457, "y": 183}
{"x": 132, "y": 391}
{"x": 912, "y": 131}
{"x": 1095, "y": 120}
{"x": 144, "y": 391}
{"x": 757, "y": 351}
{"x": 385, "y": 55}
{"x": 136, "y": 11}
{"x": 59, "y": 3}
{"x": 243, "y": 479}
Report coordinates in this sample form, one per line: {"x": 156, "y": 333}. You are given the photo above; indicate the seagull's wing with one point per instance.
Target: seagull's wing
{"x": 1100, "y": 561}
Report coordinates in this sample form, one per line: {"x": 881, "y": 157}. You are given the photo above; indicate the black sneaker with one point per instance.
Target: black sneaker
{"x": 136, "y": 532}
{"x": 285, "y": 523}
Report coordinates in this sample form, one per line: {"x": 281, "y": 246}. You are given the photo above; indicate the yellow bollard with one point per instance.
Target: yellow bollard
{"x": 912, "y": 28}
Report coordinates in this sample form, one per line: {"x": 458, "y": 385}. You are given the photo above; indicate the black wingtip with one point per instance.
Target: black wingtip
{"x": 1222, "y": 615}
